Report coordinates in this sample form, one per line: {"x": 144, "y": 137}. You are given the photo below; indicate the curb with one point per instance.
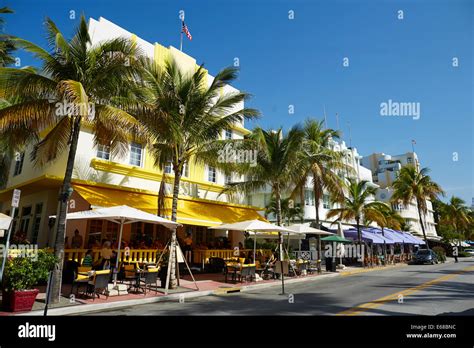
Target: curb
{"x": 348, "y": 273}
{"x": 114, "y": 305}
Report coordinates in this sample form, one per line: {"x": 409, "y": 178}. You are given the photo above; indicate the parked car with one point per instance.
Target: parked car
{"x": 469, "y": 251}
{"x": 426, "y": 256}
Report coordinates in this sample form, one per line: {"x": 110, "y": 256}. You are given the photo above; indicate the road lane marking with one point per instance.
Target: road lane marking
{"x": 394, "y": 297}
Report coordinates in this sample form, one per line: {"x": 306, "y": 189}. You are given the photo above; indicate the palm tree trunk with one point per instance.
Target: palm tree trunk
{"x": 316, "y": 204}
{"x": 62, "y": 211}
{"x": 174, "y": 209}
{"x": 278, "y": 204}
{"x": 422, "y": 225}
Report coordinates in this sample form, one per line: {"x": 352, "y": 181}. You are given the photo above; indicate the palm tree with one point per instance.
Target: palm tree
{"x": 185, "y": 117}
{"x": 6, "y": 152}
{"x": 6, "y": 44}
{"x": 76, "y": 87}
{"x": 358, "y": 205}
{"x": 320, "y": 163}
{"x": 412, "y": 184}
{"x": 406, "y": 226}
{"x": 275, "y": 166}
{"x": 289, "y": 211}
{"x": 456, "y": 213}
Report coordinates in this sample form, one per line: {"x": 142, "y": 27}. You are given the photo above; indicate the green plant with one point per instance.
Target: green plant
{"x": 22, "y": 273}
{"x": 440, "y": 253}
{"x": 414, "y": 185}
{"x": 463, "y": 254}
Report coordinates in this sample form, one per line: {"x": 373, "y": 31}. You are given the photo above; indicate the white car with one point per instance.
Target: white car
{"x": 469, "y": 251}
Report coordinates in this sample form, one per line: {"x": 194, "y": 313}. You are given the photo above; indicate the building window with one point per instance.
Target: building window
{"x": 136, "y": 154}
{"x": 37, "y": 223}
{"x": 211, "y": 174}
{"x": 228, "y": 134}
{"x": 309, "y": 197}
{"x": 25, "y": 220}
{"x": 186, "y": 170}
{"x": 168, "y": 168}
{"x": 136, "y": 231}
{"x": 95, "y": 233}
{"x": 112, "y": 231}
{"x": 228, "y": 179}
{"x": 326, "y": 202}
{"x": 103, "y": 151}
{"x": 19, "y": 164}
{"x": 410, "y": 160}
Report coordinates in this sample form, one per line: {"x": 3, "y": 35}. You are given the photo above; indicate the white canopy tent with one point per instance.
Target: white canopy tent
{"x": 5, "y": 222}
{"x": 306, "y": 229}
{"x": 255, "y": 226}
{"x": 252, "y": 225}
{"x": 122, "y": 215}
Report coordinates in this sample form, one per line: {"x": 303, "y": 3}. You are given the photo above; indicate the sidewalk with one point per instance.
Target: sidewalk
{"x": 212, "y": 285}
{"x": 187, "y": 290}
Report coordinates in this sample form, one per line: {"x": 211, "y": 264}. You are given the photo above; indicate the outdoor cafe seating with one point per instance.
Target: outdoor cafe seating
{"x": 98, "y": 284}
{"x": 81, "y": 278}
{"x": 239, "y": 271}
{"x": 140, "y": 279}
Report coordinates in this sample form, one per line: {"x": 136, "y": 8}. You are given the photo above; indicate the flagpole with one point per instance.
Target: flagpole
{"x": 181, "y": 41}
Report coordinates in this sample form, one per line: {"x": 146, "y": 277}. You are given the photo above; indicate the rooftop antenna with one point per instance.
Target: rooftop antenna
{"x": 337, "y": 124}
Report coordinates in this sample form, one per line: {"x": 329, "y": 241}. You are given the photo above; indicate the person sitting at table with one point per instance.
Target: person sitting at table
{"x": 88, "y": 261}
{"x": 76, "y": 242}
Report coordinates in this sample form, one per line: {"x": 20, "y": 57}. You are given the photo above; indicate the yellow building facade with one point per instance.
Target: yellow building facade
{"x": 101, "y": 180}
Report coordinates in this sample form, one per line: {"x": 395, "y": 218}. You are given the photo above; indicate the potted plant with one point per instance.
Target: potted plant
{"x": 20, "y": 276}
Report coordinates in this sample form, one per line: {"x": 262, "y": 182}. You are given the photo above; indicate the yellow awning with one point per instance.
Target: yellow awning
{"x": 190, "y": 211}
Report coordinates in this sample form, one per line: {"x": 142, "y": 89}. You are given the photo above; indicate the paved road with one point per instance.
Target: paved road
{"x": 426, "y": 289}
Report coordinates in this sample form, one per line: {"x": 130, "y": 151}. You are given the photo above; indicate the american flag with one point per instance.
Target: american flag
{"x": 186, "y": 31}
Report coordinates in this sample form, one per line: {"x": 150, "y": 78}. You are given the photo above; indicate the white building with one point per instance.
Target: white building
{"x": 385, "y": 169}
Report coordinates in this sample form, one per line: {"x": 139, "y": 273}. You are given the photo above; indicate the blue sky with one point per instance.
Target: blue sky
{"x": 299, "y": 62}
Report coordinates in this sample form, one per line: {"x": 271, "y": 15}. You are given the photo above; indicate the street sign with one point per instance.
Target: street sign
{"x": 16, "y": 198}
